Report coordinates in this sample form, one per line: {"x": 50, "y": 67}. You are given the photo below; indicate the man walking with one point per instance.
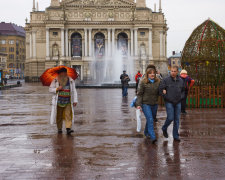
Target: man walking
{"x": 137, "y": 79}
{"x": 172, "y": 89}
{"x": 125, "y": 83}
{"x": 63, "y": 101}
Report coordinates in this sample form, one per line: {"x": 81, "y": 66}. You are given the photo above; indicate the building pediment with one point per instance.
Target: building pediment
{"x": 98, "y": 3}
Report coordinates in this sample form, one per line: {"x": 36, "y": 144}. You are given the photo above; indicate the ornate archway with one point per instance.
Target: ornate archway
{"x": 76, "y": 45}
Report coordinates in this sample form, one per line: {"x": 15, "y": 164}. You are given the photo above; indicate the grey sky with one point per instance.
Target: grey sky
{"x": 182, "y": 15}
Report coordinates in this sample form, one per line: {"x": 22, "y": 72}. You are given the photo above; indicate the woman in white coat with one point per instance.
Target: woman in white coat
{"x": 64, "y": 100}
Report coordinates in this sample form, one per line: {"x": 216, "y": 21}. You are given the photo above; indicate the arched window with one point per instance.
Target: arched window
{"x": 76, "y": 45}
{"x": 99, "y": 45}
{"x": 122, "y": 43}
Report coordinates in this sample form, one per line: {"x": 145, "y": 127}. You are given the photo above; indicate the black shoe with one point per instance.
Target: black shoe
{"x": 183, "y": 112}
{"x": 165, "y": 134}
{"x": 69, "y": 131}
{"x": 60, "y": 131}
{"x": 154, "y": 141}
{"x": 177, "y": 139}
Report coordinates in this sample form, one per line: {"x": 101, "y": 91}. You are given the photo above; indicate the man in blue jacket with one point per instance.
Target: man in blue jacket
{"x": 172, "y": 88}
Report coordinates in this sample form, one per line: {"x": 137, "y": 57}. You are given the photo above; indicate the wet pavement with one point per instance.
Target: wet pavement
{"x": 105, "y": 144}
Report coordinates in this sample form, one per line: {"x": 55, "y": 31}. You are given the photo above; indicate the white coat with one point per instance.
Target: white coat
{"x": 73, "y": 95}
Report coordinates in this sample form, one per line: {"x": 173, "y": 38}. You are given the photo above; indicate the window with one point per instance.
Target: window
{"x": 173, "y": 62}
{"x": 142, "y": 33}
{"x": 3, "y": 42}
{"x": 3, "y": 49}
{"x": 11, "y": 56}
{"x": 11, "y": 41}
{"x": 11, "y": 49}
{"x": 76, "y": 44}
{"x": 55, "y": 33}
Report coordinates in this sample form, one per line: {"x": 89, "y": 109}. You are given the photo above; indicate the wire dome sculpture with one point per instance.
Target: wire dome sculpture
{"x": 204, "y": 54}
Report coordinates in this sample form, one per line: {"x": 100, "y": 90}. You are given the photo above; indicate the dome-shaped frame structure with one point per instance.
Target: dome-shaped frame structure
{"x": 204, "y": 54}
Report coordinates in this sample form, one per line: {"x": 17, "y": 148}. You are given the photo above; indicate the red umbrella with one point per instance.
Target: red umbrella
{"x": 50, "y": 74}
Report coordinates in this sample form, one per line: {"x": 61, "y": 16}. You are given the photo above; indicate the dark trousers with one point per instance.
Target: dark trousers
{"x": 137, "y": 86}
{"x": 183, "y": 104}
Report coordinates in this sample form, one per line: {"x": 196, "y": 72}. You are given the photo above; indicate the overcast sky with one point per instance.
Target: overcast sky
{"x": 182, "y": 15}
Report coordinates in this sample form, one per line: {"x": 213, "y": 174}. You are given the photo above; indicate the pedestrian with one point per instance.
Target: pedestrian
{"x": 125, "y": 83}
{"x": 5, "y": 81}
{"x": 151, "y": 66}
{"x": 172, "y": 89}
{"x": 148, "y": 94}
{"x": 137, "y": 79}
{"x": 188, "y": 82}
{"x": 63, "y": 101}
{"x": 159, "y": 75}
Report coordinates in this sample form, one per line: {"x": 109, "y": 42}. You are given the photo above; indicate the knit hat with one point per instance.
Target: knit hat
{"x": 183, "y": 71}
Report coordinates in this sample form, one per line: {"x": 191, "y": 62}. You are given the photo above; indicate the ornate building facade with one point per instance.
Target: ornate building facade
{"x": 88, "y": 34}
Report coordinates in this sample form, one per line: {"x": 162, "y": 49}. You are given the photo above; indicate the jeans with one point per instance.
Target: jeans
{"x": 124, "y": 91}
{"x": 149, "y": 112}
{"x": 173, "y": 114}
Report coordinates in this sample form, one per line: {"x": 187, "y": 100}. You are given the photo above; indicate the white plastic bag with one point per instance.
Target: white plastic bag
{"x": 138, "y": 117}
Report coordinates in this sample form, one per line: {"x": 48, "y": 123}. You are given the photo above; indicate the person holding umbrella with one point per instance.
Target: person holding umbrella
{"x": 64, "y": 97}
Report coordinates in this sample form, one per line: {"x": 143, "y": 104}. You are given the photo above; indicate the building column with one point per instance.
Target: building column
{"x": 69, "y": 47}
{"x": 132, "y": 42}
{"x": 161, "y": 43}
{"x": 85, "y": 43}
{"x": 67, "y": 44}
{"x": 90, "y": 42}
{"x": 136, "y": 41}
{"x": 113, "y": 41}
{"x": 34, "y": 44}
{"x": 31, "y": 54}
{"x": 62, "y": 42}
{"x": 164, "y": 44}
{"x": 150, "y": 44}
{"x": 47, "y": 43}
{"x": 109, "y": 42}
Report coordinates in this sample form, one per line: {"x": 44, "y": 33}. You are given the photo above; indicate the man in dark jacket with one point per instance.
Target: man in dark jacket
{"x": 125, "y": 83}
{"x": 172, "y": 89}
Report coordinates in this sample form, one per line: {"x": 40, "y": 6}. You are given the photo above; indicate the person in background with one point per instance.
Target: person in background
{"x": 125, "y": 83}
{"x": 148, "y": 94}
{"x": 159, "y": 75}
{"x": 172, "y": 89}
{"x": 188, "y": 82}
{"x": 137, "y": 79}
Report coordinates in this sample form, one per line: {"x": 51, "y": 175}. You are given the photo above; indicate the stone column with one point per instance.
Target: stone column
{"x": 161, "y": 43}
{"x": 62, "y": 42}
{"x": 34, "y": 44}
{"x": 47, "y": 43}
{"x": 113, "y": 41}
{"x": 109, "y": 42}
{"x": 150, "y": 44}
{"x": 31, "y": 45}
{"x": 69, "y": 47}
{"x": 164, "y": 44}
{"x": 90, "y": 42}
{"x": 67, "y": 44}
{"x": 132, "y": 42}
{"x": 136, "y": 41}
{"x": 85, "y": 43}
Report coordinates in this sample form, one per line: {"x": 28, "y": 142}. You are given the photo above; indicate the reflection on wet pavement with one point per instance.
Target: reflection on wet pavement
{"x": 105, "y": 144}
